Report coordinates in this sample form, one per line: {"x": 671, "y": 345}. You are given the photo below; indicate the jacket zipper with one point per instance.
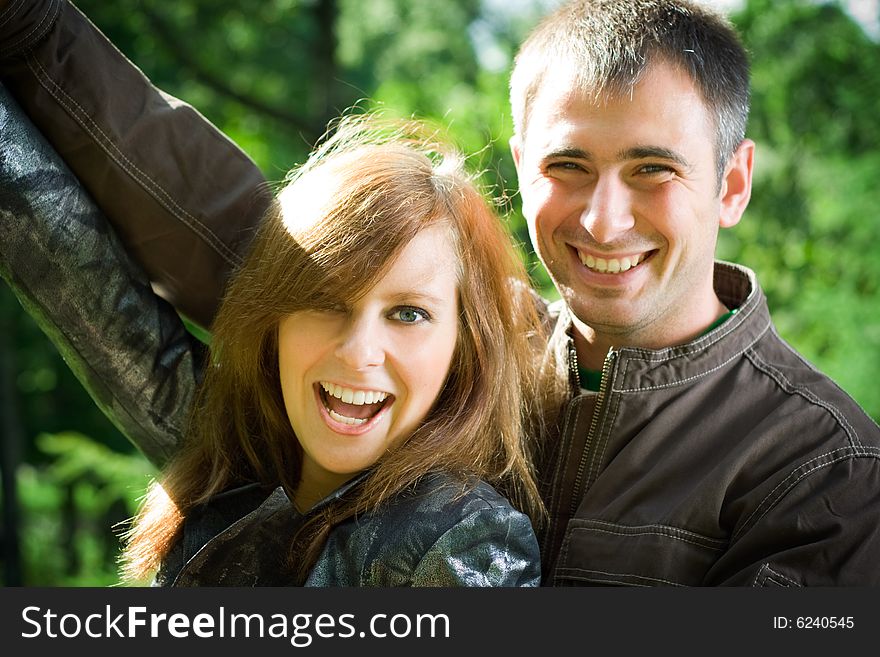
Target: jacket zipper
{"x": 607, "y": 365}
{"x": 598, "y": 411}
{"x": 573, "y": 371}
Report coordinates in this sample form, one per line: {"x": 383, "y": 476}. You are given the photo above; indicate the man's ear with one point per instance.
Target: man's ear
{"x": 736, "y": 186}
{"x": 516, "y": 150}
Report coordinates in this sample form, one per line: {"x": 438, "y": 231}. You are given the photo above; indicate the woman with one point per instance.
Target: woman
{"x": 466, "y": 423}
{"x": 370, "y": 372}
{"x": 371, "y": 362}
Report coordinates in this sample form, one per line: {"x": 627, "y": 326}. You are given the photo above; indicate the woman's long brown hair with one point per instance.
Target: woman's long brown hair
{"x": 375, "y": 189}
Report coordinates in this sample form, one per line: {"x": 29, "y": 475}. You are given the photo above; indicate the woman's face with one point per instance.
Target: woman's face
{"x": 359, "y": 380}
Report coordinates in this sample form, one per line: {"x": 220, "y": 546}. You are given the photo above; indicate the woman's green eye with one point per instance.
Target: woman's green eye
{"x": 409, "y": 315}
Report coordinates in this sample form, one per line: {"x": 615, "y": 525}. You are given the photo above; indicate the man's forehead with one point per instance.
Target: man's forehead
{"x": 662, "y": 97}
{"x": 567, "y": 81}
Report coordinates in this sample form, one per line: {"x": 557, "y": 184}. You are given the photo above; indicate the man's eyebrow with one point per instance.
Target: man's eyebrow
{"x": 634, "y": 153}
{"x": 570, "y": 152}
{"x": 644, "y": 152}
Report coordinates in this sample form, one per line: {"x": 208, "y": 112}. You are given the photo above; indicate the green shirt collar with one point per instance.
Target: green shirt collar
{"x": 592, "y": 379}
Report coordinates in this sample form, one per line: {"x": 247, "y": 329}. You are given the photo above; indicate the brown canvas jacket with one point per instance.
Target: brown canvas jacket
{"x": 728, "y": 460}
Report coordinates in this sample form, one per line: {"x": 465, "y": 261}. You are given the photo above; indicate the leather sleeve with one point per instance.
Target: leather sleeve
{"x": 65, "y": 264}
{"x": 184, "y": 199}
{"x": 492, "y": 547}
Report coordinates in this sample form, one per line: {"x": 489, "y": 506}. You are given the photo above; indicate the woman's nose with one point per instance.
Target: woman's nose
{"x": 361, "y": 344}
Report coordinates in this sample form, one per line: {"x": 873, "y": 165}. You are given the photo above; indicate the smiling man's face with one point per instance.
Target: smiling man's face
{"x": 623, "y": 204}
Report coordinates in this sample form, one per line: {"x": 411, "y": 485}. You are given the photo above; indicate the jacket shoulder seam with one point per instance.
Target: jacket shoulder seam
{"x": 803, "y": 391}
{"x": 800, "y": 473}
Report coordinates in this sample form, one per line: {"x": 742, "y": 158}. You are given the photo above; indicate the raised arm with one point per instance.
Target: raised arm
{"x": 182, "y": 197}
{"x": 65, "y": 264}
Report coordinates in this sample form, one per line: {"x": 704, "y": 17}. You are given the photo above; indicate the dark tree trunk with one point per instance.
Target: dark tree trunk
{"x": 325, "y": 106}
{"x": 11, "y": 442}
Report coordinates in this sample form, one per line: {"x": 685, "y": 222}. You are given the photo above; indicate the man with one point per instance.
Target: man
{"x": 697, "y": 448}
{"x": 710, "y": 453}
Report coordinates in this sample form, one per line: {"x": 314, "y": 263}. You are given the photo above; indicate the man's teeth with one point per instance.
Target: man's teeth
{"x": 611, "y": 265}
{"x": 356, "y": 397}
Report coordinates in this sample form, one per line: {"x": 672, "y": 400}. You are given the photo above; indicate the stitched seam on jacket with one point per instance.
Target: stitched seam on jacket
{"x": 35, "y": 29}
{"x": 153, "y": 188}
{"x": 666, "y": 530}
{"x": 759, "y": 574}
{"x": 738, "y": 354}
{"x": 645, "y": 533}
{"x": 806, "y": 393}
{"x": 779, "y": 576}
{"x": 848, "y": 453}
{"x": 10, "y": 9}
{"x": 574, "y": 570}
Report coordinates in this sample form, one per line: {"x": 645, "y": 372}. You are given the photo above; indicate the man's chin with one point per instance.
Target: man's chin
{"x": 611, "y": 319}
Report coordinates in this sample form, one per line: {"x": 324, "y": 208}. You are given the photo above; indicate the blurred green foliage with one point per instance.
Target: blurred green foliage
{"x": 73, "y": 507}
{"x": 271, "y": 73}
{"x": 812, "y": 229}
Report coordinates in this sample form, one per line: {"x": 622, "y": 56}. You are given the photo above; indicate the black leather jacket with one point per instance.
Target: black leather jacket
{"x": 438, "y": 534}
{"x": 130, "y": 350}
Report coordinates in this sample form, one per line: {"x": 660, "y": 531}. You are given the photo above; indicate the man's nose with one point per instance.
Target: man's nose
{"x": 608, "y": 213}
{"x": 361, "y": 343}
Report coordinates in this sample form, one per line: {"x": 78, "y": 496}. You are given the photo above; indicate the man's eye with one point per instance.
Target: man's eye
{"x": 409, "y": 315}
{"x": 655, "y": 168}
{"x": 565, "y": 166}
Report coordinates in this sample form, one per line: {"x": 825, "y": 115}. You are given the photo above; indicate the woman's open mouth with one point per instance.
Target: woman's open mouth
{"x": 350, "y": 408}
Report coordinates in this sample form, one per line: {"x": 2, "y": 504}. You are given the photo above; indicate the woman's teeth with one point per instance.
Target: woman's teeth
{"x": 346, "y": 420}
{"x": 356, "y": 397}
{"x": 349, "y": 406}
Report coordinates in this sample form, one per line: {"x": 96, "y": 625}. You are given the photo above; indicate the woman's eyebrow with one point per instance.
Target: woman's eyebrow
{"x": 416, "y": 295}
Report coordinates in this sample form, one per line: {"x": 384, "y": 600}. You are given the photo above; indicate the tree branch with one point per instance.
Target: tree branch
{"x": 174, "y": 45}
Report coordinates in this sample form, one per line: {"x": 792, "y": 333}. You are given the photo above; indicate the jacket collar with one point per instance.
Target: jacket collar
{"x": 637, "y": 369}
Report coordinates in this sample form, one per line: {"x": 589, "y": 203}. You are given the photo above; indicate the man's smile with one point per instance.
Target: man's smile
{"x": 613, "y": 265}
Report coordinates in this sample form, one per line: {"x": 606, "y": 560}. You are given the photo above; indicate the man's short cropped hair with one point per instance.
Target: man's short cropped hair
{"x": 607, "y": 45}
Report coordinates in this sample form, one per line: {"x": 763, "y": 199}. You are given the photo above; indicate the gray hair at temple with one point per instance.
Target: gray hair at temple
{"x": 607, "y": 45}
